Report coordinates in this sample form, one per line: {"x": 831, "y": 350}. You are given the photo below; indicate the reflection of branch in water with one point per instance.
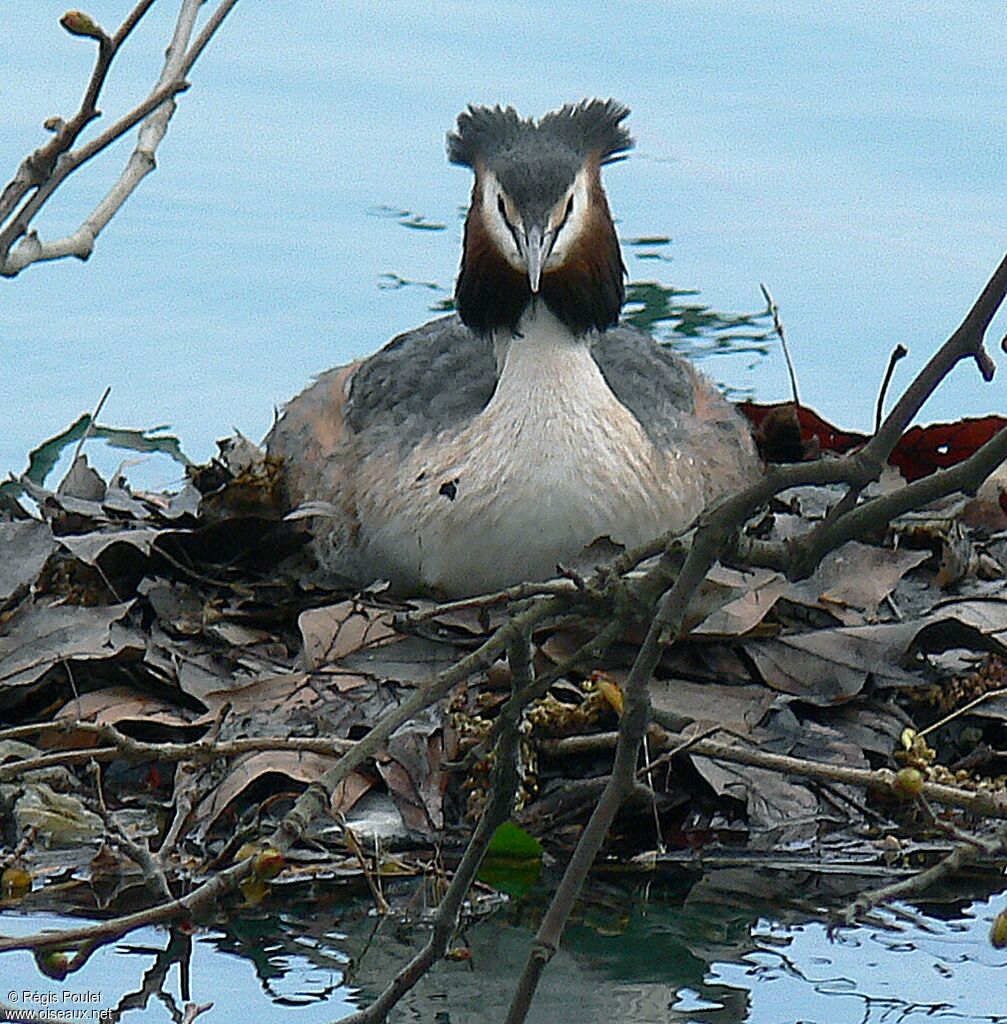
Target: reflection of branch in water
{"x": 178, "y": 950}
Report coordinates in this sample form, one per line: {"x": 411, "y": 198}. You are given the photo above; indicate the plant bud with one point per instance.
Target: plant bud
{"x": 269, "y": 863}
{"x": 15, "y": 882}
{"x": 908, "y": 783}
{"x": 998, "y": 933}
{"x": 53, "y": 963}
{"x": 612, "y": 693}
{"x": 245, "y": 851}
{"x": 77, "y": 23}
{"x": 254, "y": 889}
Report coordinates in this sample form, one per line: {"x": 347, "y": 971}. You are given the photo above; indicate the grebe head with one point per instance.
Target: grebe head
{"x": 539, "y": 225}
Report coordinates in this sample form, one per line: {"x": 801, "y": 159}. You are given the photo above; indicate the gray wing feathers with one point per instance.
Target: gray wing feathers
{"x": 398, "y": 395}
{"x": 421, "y": 383}
{"x": 665, "y": 393}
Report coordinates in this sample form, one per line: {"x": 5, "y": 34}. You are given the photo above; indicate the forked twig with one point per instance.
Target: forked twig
{"x": 44, "y": 170}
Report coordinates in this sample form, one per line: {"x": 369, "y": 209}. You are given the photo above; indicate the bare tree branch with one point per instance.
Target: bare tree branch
{"x": 673, "y": 745}
{"x": 48, "y": 167}
{"x": 38, "y": 164}
{"x": 119, "y": 745}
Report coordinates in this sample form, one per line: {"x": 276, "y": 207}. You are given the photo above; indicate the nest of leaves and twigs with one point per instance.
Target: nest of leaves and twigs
{"x": 815, "y": 674}
{"x": 187, "y": 643}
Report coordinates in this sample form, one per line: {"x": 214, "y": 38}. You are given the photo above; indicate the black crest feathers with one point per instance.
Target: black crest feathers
{"x": 591, "y": 127}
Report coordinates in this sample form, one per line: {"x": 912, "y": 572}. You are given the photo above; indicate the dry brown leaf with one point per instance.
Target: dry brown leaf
{"x": 26, "y": 545}
{"x": 828, "y": 666}
{"x": 81, "y": 481}
{"x": 987, "y": 614}
{"x": 738, "y": 708}
{"x": 414, "y": 775}
{"x": 745, "y": 599}
{"x": 301, "y": 766}
{"x": 89, "y": 547}
{"x": 344, "y": 682}
{"x": 352, "y": 789}
{"x": 852, "y": 581}
{"x": 41, "y": 636}
{"x": 236, "y": 634}
{"x": 272, "y": 695}
{"x": 116, "y": 704}
{"x": 333, "y": 632}
{"x": 406, "y": 660}
{"x": 562, "y": 644}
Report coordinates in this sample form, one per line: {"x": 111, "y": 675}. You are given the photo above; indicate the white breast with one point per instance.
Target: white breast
{"x": 552, "y": 463}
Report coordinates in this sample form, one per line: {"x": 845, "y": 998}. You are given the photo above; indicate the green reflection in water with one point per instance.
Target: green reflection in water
{"x": 690, "y": 327}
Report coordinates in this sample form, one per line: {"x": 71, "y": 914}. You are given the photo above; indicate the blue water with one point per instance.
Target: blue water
{"x": 642, "y": 960}
{"x": 849, "y": 156}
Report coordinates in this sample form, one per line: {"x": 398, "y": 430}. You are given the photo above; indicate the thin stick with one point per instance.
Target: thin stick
{"x": 89, "y": 430}
{"x": 774, "y": 311}
{"x": 898, "y": 353}
{"x": 964, "y": 709}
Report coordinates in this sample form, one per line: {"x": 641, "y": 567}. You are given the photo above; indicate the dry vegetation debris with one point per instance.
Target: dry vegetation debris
{"x": 187, "y": 643}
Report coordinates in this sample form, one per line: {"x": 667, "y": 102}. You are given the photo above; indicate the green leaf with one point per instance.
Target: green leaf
{"x": 147, "y": 441}
{"x": 511, "y": 842}
{"x": 42, "y": 459}
{"x": 513, "y": 860}
{"x": 512, "y": 877}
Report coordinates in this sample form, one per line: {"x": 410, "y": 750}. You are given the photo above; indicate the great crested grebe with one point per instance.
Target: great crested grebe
{"x": 491, "y": 446}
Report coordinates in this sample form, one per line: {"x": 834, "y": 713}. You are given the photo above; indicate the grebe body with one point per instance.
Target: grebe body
{"x": 492, "y": 446}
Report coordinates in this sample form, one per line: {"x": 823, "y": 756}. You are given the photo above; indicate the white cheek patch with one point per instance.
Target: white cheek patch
{"x": 495, "y": 224}
{"x": 571, "y": 231}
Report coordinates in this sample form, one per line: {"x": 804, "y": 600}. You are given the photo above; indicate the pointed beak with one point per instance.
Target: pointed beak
{"x": 537, "y": 246}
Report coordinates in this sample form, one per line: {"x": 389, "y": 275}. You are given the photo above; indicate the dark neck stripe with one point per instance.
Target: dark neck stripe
{"x": 586, "y": 293}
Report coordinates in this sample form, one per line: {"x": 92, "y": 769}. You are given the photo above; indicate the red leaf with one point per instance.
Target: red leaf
{"x": 923, "y": 450}
{"x": 920, "y": 452}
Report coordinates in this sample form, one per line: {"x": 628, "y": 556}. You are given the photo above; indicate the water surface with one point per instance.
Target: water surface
{"x": 658, "y": 954}
{"x": 849, "y": 156}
